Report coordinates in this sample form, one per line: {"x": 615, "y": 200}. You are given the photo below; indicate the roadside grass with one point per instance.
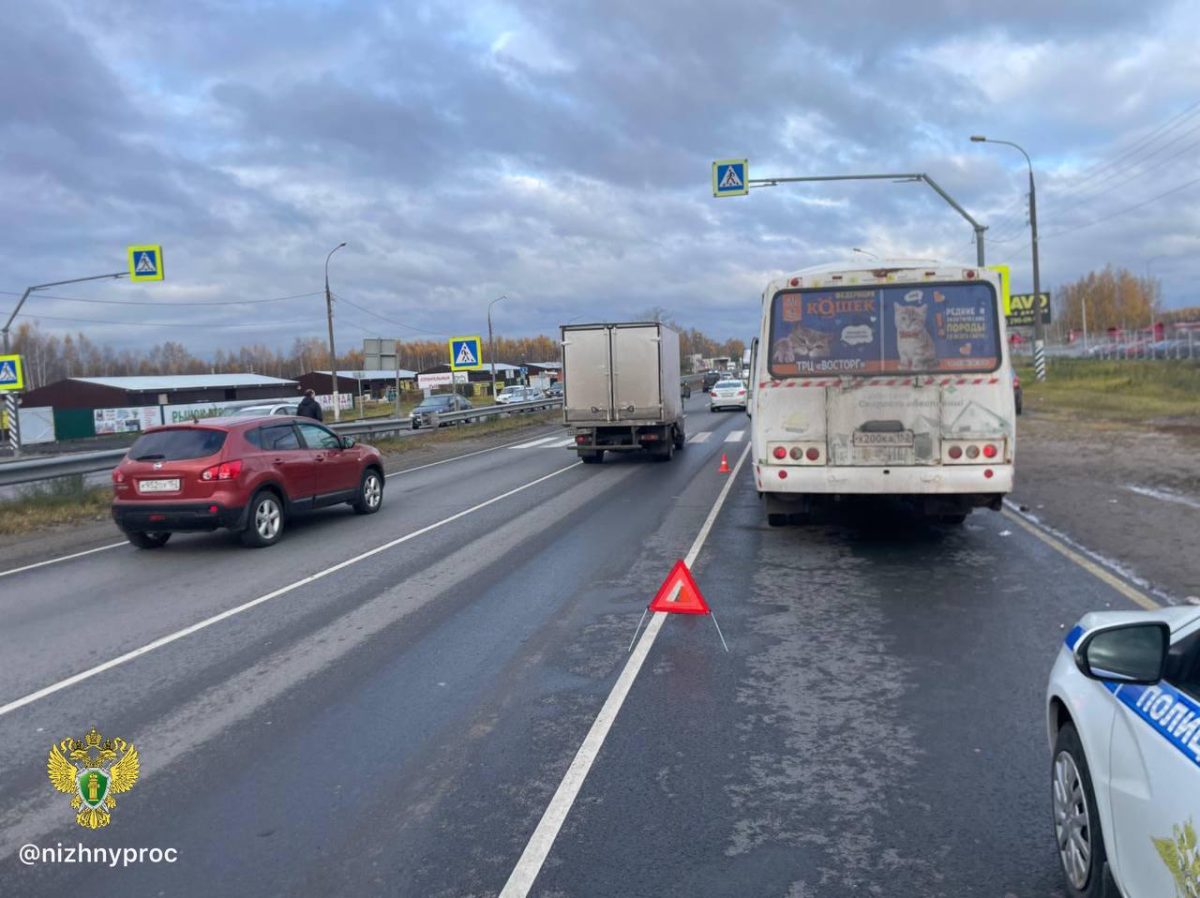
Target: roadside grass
{"x": 1134, "y": 391}
{"x": 393, "y": 446}
{"x": 64, "y": 500}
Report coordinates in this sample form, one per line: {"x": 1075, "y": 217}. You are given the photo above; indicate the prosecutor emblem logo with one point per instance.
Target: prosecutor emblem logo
{"x": 92, "y": 770}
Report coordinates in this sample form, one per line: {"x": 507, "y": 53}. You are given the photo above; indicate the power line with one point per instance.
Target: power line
{"x": 1112, "y": 215}
{"x": 187, "y": 325}
{"x": 387, "y": 319}
{"x": 138, "y": 302}
{"x": 1171, "y": 123}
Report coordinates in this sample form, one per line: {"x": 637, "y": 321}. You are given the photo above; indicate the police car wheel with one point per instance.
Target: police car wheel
{"x": 1076, "y": 820}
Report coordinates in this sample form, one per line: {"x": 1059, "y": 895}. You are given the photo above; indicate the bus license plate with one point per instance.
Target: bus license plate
{"x": 158, "y": 486}
{"x": 889, "y": 438}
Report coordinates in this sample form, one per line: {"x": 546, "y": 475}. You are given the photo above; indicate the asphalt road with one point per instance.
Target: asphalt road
{"x": 396, "y": 712}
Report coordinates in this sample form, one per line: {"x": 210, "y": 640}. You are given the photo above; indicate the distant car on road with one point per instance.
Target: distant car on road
{"x": 438, "y": 404}
{"x": 1123, "y": 708}
{"x": 519, "y": 394}
{"x": 248, "y": 475}
{"x": 554, "y": 391}
{"x": 710, "y": 379}
{"x": 685, "y": 390}
{"x": 727, "y": 394}
{"x": 273, "y": 408}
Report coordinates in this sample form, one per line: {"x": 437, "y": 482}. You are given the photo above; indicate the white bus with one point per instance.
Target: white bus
{"x": 889, "y": 380}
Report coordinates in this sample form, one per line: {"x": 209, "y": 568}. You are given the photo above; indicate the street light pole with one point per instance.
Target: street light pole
{"x": 333, "y": 375}
{"x": 492, "y": 345}
{"x": 1039, "y": 326}
{"x": 10, "y": 397}
{"x": 895, "y": 178}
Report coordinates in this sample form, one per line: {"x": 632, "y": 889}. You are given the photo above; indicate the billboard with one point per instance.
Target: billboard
{"x": 905, "y": 328}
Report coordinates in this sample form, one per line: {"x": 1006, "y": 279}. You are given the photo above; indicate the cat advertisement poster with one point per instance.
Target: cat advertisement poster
{"x": 925, "y": 329}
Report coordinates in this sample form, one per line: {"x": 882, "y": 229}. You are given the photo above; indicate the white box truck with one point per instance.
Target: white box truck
{"x": 621, "y": 389}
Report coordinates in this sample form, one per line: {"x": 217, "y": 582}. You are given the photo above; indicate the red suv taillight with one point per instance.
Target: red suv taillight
{"x": 118, "y": 476}
{"x": 226, "y": 470}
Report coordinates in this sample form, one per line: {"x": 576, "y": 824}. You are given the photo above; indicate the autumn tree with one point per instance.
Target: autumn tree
{"x": 1112, "y": 298}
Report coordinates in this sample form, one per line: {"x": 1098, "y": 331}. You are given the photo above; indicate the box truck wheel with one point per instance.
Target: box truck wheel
{"x": 664, "y": 451}
{"x": 592, "y": 456}
{"x": 680, "y": 437}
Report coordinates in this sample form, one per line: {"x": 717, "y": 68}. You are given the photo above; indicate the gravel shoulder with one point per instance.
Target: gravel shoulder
{"x": 1125, "y": 491}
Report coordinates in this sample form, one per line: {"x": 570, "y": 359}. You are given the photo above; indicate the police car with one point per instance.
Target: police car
{"x": 1124, "y": 717}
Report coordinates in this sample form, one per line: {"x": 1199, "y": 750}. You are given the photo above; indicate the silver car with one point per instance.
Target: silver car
{"x": 727, "y": 394}
{"x": 274, "y": 408}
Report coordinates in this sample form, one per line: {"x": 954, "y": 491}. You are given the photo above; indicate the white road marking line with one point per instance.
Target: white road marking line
{"x": 30, "y": 567}
{"x": 538, "y": 848}
{"x": 1164, "y": 495}
{"x": 700, "y": 437}
{"x": 535, "y": 443}
{"x": 246, "y": 606}
{"x": 735, "y": 436}
{"x": 446, "y": 461}
{"x": 1134, "y": 595}
{"x": 569, "y": 441}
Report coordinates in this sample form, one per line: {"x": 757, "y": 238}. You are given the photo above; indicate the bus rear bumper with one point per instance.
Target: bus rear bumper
{"x": 984, "y": 481}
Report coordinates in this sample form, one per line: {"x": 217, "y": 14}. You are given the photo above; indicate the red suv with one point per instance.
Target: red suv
{"x": 246, "y": 474}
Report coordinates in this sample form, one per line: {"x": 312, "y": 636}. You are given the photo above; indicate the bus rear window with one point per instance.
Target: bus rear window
{"x": 925, "y": 329}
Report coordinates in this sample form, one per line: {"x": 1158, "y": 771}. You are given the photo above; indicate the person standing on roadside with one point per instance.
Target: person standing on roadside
{"x": 309, "y": 407}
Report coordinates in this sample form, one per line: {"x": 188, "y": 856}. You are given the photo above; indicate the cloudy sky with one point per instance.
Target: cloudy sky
{"x": 558, "y": 153}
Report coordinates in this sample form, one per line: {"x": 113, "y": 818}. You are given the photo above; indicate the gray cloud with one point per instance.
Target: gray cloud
{"x": 558, "y": 153}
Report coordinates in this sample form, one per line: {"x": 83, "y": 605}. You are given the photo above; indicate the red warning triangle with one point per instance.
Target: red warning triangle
{"x": 679, "y": 593}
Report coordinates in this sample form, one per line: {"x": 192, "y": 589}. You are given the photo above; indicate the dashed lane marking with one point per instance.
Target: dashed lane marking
{"x": 283, "y": 590}
{"x": 536, "y": 850}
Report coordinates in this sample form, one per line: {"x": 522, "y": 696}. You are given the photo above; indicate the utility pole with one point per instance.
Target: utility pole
{"x": 10, "y": 398}
{"x": 333, "y": 374}
{"x": 1039, "y": 326}
{"x": 492, "y": 345}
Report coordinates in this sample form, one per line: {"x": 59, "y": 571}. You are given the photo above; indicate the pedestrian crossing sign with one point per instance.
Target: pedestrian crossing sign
{"x": 12, "y": 373}
{"x": 145, "y": 263}
{"x": 730, "y": 177}
{"x": 465, "y": 354}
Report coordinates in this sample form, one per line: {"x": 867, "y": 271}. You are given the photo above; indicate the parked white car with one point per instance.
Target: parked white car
{"x": 519, "y": 394}
{"x": 1124, "y": 720}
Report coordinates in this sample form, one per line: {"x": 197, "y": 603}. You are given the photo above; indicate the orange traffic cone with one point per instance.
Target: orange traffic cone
{"x": 724, "y": 469}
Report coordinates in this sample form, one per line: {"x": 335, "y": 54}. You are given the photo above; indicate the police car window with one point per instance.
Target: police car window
{"x": 1183, "y": 665}
{"x": 282, "y": 436}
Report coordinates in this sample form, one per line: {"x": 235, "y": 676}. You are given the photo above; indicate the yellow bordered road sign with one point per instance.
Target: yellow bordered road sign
{"x": 1005, "y": 290}
{"x": 465, "y": 354}
{"x": 145, "y": 263}
{"x": 12, "y": 373}
{"x": 730, "y": 177}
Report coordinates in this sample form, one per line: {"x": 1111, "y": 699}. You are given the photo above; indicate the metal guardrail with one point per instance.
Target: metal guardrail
{"x": 32, "y": 470}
